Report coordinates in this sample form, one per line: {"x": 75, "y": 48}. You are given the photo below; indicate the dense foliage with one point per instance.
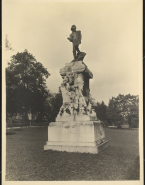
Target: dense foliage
{"x": 113, "y": 113}
{"x": 52, "y": 106}
{"x": 25, "y": 84}
{"x": 124, "y": 109}
{"x": 100, "y": 110}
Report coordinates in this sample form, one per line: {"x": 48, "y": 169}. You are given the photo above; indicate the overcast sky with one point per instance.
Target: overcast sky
{"x": 111, "y": 37}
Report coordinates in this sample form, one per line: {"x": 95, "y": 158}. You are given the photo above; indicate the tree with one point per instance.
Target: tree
{"x": 56, "y": 103}
{"x": 25, "y": 84}
{"x": 100, "y": 109}
{"x": 7, "y": 44}
{"x": 133, "y": 116}
{"x": 52, "y": 105}
{"x": 113, "y": 113}
{"x": 123, "y": 109}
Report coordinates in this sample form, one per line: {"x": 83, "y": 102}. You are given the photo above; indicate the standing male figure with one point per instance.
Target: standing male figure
{"x": 75, "y": 37}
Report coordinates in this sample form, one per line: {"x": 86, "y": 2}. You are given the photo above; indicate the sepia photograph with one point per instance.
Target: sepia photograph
{"x": 72, "y": 99}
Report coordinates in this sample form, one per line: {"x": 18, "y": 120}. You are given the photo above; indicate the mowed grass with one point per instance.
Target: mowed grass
{"x": 26, "y": 159}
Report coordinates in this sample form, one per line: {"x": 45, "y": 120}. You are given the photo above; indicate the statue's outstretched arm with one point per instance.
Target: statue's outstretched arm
{"x": 70, "y": 38}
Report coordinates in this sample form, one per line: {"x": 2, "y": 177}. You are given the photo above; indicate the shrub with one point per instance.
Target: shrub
{"x": 106, "y": 123}
{"x": 134, "y": 123}
{"x": 118, "y": 124}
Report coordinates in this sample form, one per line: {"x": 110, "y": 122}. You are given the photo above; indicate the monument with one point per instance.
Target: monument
{"x": 77, "y": 128}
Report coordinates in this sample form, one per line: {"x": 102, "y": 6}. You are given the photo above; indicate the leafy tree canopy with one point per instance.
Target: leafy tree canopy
{"x": 25, "y": 83}
{"x": 100, "y": 109}
{"x": 122, "y": 107}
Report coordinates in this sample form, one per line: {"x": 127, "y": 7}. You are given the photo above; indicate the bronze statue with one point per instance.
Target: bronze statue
{"x": 75, "y": 37}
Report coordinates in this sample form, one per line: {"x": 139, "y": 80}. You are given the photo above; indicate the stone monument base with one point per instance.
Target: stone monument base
{"x": 76, "y": 136}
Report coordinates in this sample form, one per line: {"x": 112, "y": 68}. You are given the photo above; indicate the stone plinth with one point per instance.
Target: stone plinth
{"x": 76, "y": 136}
{"x": 76, "y": 67}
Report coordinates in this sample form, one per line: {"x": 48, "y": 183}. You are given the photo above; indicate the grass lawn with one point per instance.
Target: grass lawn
{"x": 26, "y": 159}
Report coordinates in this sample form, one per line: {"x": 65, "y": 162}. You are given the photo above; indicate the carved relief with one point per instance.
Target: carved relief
{"x": 74, "y": 102}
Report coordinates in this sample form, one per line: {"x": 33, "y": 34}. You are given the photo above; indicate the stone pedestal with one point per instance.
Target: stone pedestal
{"x": 77, "y": 128}
{"x": 76, "y": 136}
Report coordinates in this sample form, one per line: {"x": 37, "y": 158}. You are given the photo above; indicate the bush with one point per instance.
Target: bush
{"x": 134, "y": 123}
{"x": 118, "y": 124}
{"x": 106, "y": 123}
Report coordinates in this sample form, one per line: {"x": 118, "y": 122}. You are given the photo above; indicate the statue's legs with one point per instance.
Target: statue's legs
{"x": 76, "y": 48}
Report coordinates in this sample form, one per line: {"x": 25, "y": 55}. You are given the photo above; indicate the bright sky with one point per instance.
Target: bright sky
{"x": 111, "y": 37}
